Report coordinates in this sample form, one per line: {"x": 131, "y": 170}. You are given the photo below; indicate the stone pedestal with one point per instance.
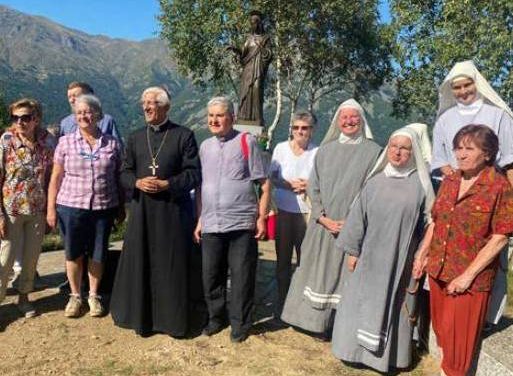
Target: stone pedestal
{"x": 251, "y": 127}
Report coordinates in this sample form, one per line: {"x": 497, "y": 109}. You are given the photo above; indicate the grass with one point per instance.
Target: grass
{"x": 115, "y": 367}
{"x": 109, "y": 367}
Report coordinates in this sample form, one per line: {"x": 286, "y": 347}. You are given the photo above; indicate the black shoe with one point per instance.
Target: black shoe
{"x": 488, "y": 327}
{"x": 236, "y": 337}
{"x": 212, "y": 329}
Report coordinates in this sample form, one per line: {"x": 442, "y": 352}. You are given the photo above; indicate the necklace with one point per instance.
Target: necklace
{"x": 90, "y": 137}
{"x": 91, "y": 140}
{"x": 153, "y": 167}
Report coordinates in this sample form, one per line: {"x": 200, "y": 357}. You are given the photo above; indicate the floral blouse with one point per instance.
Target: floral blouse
{"x": 25, "y": 173}
{"x": 463, "y": 226}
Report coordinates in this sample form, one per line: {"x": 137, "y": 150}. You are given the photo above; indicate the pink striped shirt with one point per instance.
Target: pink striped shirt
{"x": 90, "y": 175}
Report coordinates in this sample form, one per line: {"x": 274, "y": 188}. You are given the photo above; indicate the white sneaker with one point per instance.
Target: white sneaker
{"x": 73, "y": 307}
{"x": 95, "y": 306}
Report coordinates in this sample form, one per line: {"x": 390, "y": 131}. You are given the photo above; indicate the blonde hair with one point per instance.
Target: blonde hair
{"x": 33, "y": 105}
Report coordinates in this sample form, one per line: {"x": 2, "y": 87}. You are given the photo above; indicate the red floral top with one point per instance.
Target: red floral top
{"x": 464, "y": 226}
{"x": 25, "y": 173}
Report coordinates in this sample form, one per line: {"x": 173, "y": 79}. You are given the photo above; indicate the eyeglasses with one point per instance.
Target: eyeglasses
{"x": 85, "y": 113}
{"x": 150, "y": 103}
{"x": 300, "y": 128}
{"x": 401, "y": 149}
{"x": 24, "y": 118}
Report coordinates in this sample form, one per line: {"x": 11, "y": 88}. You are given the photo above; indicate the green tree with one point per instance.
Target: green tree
{"x": 432, "y": 35}
{"x": 320, "y": 46}
{"x": 4, "y": 114}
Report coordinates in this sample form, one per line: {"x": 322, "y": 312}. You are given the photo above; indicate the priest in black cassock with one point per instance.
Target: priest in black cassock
{"x": 161, "y": 167}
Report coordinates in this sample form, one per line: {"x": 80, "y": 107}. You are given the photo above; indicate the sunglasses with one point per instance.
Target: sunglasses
{"x": 298, "y": 128}
{"x": 24, "y": 118}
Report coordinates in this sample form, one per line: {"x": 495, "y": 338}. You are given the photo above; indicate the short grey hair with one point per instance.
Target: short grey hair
{"x": 93, "y": 102}
{"x": 221, "y": 101}
{"x": 163, "y": 97}
{"x": 304, "y": 116}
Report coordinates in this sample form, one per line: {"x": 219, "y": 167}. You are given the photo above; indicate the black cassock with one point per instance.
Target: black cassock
{"x": 150, "y": 291}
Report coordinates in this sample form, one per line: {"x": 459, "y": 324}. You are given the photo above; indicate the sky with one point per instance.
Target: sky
{"x": 127, "y": 19}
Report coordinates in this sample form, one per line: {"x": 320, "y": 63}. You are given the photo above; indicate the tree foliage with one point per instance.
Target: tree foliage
{"x": 4, "y": 114}
{"x": 432, "y": 35}
{"x": 320, "y": 46}
{"x": 328, "y": 46}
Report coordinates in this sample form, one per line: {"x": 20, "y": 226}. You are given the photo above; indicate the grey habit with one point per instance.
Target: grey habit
{"x": 383, "y": 229}
{"x": 337, "y": 176}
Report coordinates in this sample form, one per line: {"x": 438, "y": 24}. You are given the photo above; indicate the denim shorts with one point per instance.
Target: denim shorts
{"x": 85, "y": 232}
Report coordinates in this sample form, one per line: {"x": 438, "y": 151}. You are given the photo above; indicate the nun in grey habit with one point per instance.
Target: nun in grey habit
{"x": 344, "y": 159}
{"x": 375, "y": 317}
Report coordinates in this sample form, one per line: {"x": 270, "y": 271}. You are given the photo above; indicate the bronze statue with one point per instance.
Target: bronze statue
{"x": 254, "y": 58}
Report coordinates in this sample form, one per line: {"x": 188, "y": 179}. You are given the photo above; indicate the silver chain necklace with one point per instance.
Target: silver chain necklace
{"x": 153, "y": 167}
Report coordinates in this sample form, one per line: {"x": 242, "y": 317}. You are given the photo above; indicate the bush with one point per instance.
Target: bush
{"x": 53, "y": 240}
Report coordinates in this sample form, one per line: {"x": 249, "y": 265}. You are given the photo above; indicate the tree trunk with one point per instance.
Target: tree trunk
{"x": 293, "y": 106}
{"x": 279, "y": 100}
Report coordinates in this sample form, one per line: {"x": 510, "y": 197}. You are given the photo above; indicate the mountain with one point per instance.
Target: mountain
{"x": 38, "y": 58}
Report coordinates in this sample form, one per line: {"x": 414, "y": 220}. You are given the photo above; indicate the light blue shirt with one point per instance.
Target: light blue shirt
{"x": 228, "y": 196}
{"x": 107, "y": 125}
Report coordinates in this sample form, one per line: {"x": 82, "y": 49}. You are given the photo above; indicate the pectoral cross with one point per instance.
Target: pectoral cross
{"x": 153, "y": 167}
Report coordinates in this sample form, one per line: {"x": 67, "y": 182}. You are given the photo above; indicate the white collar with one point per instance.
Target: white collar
{"x": 357, "y": 139}
{"x": 156, "y": 127}
{"x": 470, "y": 109}
{"x": 399, "y": 173}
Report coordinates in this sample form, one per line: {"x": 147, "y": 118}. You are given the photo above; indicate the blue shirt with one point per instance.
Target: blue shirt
{"x": 107, "y": 125}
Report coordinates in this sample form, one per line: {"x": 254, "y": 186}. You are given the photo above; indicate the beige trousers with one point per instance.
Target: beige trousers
{"x": 24, "y": 235}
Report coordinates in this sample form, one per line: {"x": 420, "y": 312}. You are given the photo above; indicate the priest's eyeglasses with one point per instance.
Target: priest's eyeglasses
{"x": 150, "y": 103}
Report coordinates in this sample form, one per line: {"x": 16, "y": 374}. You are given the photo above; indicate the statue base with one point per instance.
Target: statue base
{"x": 249, "y": 126}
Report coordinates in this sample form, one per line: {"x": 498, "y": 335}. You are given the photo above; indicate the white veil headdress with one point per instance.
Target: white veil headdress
{"x": 333, "y": 132}
{"x": 467, "y": 68}
{"x": 419, "y": 165}
{"x": 425, "y": 143}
